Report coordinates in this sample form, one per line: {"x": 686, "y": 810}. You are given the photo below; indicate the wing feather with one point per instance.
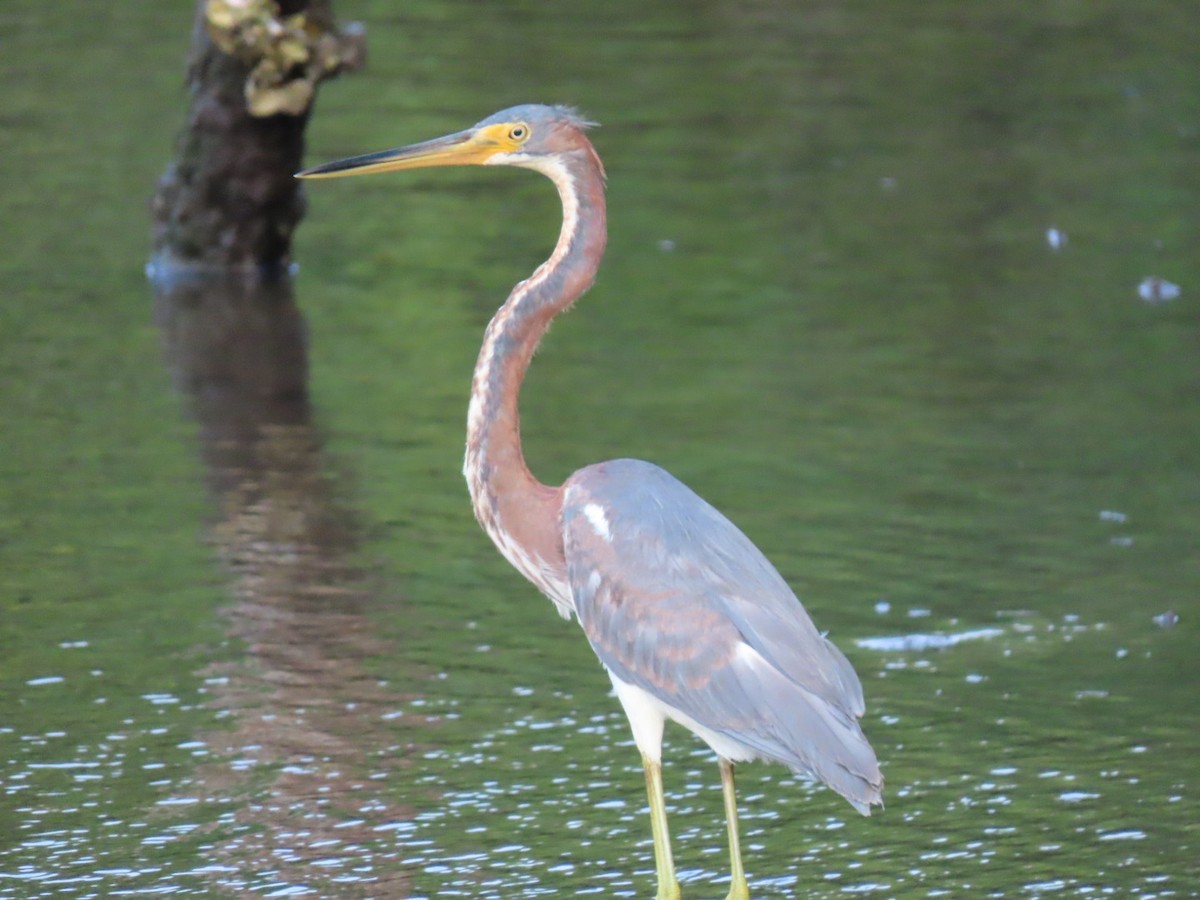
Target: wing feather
{"x": 677, "y": 601}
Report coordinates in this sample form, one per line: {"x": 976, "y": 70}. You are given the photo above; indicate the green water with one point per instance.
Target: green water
{"x": 252, "y": 641}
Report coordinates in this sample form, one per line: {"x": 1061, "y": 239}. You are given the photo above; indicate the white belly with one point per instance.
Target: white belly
{"x": 647, "y": 714}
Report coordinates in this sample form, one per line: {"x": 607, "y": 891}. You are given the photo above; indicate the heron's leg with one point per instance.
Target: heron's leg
{"x": 738, "y": 889}
{"x": 668, "y": 887}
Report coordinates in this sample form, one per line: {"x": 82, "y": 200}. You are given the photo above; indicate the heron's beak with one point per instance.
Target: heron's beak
{"x": 465, "y": 148}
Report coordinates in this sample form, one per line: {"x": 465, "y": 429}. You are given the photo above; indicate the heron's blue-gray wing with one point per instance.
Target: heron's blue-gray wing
{"x": 676, "y": 600}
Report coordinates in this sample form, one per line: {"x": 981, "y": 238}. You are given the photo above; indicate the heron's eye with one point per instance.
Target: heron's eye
{"x": 518, "y": 133}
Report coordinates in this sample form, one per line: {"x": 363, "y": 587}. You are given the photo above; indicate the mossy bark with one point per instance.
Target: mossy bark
{"x": 228, "y": 199}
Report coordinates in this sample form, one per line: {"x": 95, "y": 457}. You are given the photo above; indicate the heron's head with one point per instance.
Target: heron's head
{"x": 531, "y": 136}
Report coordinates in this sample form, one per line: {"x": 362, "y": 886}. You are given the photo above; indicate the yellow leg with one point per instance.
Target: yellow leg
{"x": 738, "y": 889}
{"x": 668, "y": 887}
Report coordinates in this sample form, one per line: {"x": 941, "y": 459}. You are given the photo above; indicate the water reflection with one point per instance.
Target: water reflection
{"x": 307, "y": 738}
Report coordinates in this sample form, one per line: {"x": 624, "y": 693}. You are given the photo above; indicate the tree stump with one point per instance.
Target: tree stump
{"x": 228, "y": 200}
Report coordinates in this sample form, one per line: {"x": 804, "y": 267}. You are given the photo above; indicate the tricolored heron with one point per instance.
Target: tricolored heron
{"x": 690, "y": 620}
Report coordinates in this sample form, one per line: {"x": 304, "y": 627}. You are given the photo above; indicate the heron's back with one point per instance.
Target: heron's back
{"x": 677, "y": 601}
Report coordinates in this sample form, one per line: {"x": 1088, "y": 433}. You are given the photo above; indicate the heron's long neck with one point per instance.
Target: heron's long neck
{"x": 518, "y": 512}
